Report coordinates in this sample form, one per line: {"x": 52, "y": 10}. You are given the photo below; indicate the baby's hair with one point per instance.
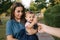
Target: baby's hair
{"x": 30, "y": 12}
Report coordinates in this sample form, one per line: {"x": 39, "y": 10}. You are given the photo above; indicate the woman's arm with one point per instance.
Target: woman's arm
{"x": 9, "y": 31}
{"x": 10, "y": 37}
{"x": 51, "y": 30}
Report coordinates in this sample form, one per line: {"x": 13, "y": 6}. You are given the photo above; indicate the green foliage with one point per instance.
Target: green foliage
{"x": 40, "y": 0}
{"x": 52, "y": 16}
{"x": 40, "y": 4}
{"x": 33, "y": 7}
{"x": 54, "y": 2}
{"x": 5, "y": 6}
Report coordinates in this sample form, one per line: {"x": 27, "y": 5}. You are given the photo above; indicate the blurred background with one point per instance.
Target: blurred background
{"x": 47, "y": 11}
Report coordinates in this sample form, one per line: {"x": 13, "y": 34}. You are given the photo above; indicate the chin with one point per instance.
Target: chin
{"x": 18, "y": 17}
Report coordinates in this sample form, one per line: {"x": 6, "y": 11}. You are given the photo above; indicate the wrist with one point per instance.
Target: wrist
{"x": 46, "y": 28}
{"x": 32, "y": 23}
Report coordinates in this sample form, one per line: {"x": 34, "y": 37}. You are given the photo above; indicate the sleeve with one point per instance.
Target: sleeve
{"x": 8, "y": 28}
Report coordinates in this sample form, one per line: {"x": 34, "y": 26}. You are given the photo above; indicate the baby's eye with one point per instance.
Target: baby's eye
{"x": 18, "y": 11}
{"x": 29, "y": 17}
{"x": 33, "y": 16}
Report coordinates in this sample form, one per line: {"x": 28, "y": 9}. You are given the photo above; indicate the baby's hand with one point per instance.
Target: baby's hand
{"x": 35, "y": 20}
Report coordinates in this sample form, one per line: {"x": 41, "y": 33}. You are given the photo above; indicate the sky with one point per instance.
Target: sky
{"x": 26, "y": 3}
{"x": 47, "y": 0}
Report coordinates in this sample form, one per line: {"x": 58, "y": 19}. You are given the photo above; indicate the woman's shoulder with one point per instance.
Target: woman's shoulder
{"x": 9, "y": 22}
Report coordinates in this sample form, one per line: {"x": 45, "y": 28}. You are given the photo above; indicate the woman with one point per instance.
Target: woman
{"x": 15, "y": 24}
{"x": 15, "y": 28}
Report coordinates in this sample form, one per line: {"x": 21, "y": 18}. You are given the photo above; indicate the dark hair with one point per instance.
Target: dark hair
{"x": 30, "y": 12}
{"x": 13, "y": 7}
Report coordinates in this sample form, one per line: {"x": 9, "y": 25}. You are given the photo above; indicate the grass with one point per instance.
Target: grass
{"x": 3, "y": 28}
{"x": 2, "y": 32}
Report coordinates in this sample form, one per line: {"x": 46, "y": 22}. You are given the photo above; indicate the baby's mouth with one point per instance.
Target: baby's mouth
{"x": 31, "y": 20}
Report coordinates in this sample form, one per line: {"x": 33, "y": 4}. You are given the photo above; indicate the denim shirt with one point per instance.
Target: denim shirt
{"x": 14, "y": 28}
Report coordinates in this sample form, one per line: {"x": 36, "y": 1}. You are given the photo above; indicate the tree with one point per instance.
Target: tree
{"x": 40, "y": 4}
{"x": 54, "y": 2}
{"x": 52, "y": 16}
{"x": 4, "y": 6}
{"x": 33, "y": 6}
{"x": 40, "y": 1}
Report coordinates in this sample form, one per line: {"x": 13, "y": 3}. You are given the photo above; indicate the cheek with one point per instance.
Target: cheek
{"x": 18, "y": 14}
{"x": 28, "y": 19}
{"x": 15, "y": 13}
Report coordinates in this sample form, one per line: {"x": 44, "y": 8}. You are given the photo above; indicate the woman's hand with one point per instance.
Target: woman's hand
{"x": 10, "y": 37}
{"x": 50, "y": 30}
{"x": 41, "y": 28}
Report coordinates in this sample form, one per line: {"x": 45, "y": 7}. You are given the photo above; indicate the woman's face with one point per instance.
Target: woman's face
{"x": 18, "y": 12}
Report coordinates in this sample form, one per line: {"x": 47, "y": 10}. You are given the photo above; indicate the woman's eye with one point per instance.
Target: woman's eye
{"x": 19, "y": 11}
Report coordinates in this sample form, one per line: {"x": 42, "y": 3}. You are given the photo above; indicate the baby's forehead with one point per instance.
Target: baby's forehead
{"x": 30, "y": 14}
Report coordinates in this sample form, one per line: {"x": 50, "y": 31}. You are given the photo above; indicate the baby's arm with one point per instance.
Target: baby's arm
{"x": 29, "y": 25}
{"x": 30, "y": 29}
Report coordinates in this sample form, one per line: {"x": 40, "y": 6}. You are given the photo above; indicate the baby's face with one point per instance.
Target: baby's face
{"x": 30, "y": 17}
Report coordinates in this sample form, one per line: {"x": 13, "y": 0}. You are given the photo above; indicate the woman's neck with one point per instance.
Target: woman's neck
{"x": 18, "y": 20}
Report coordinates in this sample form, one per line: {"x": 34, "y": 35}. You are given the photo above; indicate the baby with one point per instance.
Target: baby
{"x": 31, "y": 24}
{"x": 31, "y": 28}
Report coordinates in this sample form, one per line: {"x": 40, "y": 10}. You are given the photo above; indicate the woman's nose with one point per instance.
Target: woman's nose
{"x": 20, "y": 13}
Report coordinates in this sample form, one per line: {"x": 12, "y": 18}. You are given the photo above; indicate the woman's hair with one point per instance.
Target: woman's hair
{"x": 13, "y": 7}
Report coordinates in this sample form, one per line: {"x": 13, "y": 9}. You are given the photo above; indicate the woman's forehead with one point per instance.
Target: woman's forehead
{"x": 19, "y": 8}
